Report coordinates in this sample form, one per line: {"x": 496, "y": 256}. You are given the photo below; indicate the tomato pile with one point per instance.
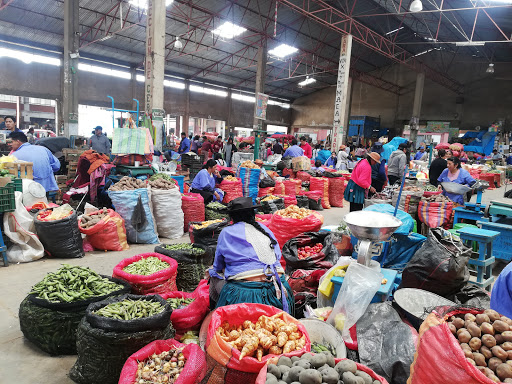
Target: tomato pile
{"x": 309, "y": 251}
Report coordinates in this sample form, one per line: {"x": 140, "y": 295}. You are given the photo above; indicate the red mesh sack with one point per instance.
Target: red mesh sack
{"x": 289, "y": 200}
{"x": 288, "y": 172}
{"x": 303, "y": 176}
{"x": 292, "y": 186}
{"x": 193, "y": 372}
{"x": 190, "y": 317}
{"x": 285, "y": 228}
{"x": 279, "y": 188}
{"x": 224, "y": 364}
{"x": 109, "y": 234}
{"x": 265, "y": 191}
{"x": 435, "y": 214}
{"x": 321, "y": 184}
{"x": 192, "y": 205}
{"x": 232, "y": 190}
{"x": 264, "y": 219}
{"x": 336, "y": 191}
{"x": 160, "y": 282}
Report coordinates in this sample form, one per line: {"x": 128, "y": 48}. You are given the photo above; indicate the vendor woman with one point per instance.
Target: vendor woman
{"x": 247, "y": 265}
{"x": 204, "y": 183}
{"x": 455, "y": 174}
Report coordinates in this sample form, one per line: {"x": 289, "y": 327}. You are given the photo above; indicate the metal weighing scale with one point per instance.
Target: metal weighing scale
{"x": 470, "y": 211}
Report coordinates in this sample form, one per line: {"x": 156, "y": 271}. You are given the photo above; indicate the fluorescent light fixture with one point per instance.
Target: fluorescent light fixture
{"x": 174, "y": 84}
{"x": 143, "y": 4}
{"x": 279, "y": 103}
{"x": 490, "y": 68}
{"x": 207, "y": 91}
{"x": 246, "y": 98}
{"x": 104, "y": 71}
{"x": 469, "y": 43}
{"x": 178, "y": 44}
{"x": 306, "y": 81}
{"x": 282, "y": 50}
{"x": 29, "y": 58}
{"x": 394, "y": 30}
{"x": 106, "y": 37}
{"x": 229, "y": 30}
{"x": 416, "y": 6}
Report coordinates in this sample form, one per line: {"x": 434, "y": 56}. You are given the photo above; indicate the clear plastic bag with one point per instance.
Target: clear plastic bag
{"x": 321, "y": 299}
{"x": 359, "y": 286}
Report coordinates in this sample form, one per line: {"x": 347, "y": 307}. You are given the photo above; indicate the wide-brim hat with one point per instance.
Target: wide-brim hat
{"x": 241, "y": 204}
{"x": 375, "y": 156}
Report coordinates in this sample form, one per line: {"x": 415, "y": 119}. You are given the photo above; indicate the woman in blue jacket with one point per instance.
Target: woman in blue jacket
{"x": 455, "y": 174}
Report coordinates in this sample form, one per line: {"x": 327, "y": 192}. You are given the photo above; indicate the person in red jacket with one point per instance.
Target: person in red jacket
{"x": 206, "y": 148}
{"x": 361, "y": 181}
{"x": 308, "y": 151}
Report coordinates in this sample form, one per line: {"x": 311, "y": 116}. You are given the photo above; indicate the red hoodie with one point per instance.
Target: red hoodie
{"x": 307, "y": 150}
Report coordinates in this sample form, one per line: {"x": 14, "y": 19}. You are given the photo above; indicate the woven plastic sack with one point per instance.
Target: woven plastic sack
{"x": 193, "y": 371}
{"x": 303, "y": 176}
{"x": 285, "y": 228}
{"x": 265, "y": 191}
{"x": 206, "y": 236}
{"x": 224, "y": 365}
{"x": 109, "y": 234}
{"x": 336, "y": 191}
{"x": 292, "y": 186}
{"x": 125, "y": 203}
{"x": 315, "y": 200}
{"x": 192, "y": 205}
{"x": 264, "y": 219}
{"x": 289, "y": 200}
{"x": 301, "y": 163}
{"x": 191, "y": 317}
{"x": 167, "y": 212}
{"x": 232, "y": 190}
{"x": 435, "y": 214}
{"x": 321, "y": 184}
{"x": 288, "y": 172}
{"x": 102, "y": 354}
{"x": 159, "y": 282}
{"x": 279, "y": 188}
{"x": 408, "y": 201}
{"x": 250, "y": 181}
{"x": 440, "y": 352}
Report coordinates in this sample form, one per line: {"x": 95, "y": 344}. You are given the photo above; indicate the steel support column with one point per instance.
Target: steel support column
{"x": 70, "y": 68}
{"x": 342, "y": 92}
{"x": 258, "y": 124}
{"x": 416, "y": 109}
{"x": 155, "y": 66}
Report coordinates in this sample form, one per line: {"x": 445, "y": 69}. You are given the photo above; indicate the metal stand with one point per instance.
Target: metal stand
{"x": 123, "y": 110}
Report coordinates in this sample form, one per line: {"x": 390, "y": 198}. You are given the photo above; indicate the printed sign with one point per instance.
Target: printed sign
{"x": 261, "y": 106}
{"x": 340, "y": 104}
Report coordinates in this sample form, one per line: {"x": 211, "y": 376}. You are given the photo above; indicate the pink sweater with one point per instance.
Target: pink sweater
{"x": 362, "y": 174}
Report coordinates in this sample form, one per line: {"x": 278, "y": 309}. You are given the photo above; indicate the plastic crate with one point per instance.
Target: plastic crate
{"x": 7, "y": 201}
{"x": 18, "y": 185}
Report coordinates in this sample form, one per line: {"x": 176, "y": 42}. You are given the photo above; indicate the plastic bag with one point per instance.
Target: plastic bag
{"x": 401, "y": 250}
{"x": 139, "y": 220}
{"x": 250, "y": 181}
{"x": 439, "y": 266}
{"x": 435, "y": 214}
{"x": 214, "y": 211}
{"x": 385, "y": 343}
{"x": 267, "y": 182}
{"x": 60, "y": 238}
{"x": 285, "y": 228}
{"x": 193, "y": 371}
{"x": 191, "y": 317}
{"x": 206, "y": 236}
{"x": 109, "y": 234}
{"x": 336, "y": 191}
{"x": 359, "y": 286}
{"x": 302, "y": 201}
{"x": 167, "y": 211}
{"x": 125, "y": 203}
{"x": 232, "y": 190}
{"x": 321, "y": 184}
{"x": 327, "y": 257}
{"x": 301, "y": 163}
{"x": 158, "y": 282}
{"x": 326, "y": 287}
{"x": 315, "y": 200}
{"x": 292, "y": 187}
{"x": 19, "y": 228}
{"x": 192, "y": 205}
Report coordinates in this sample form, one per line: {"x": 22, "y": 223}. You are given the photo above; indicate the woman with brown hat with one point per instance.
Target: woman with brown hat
{"x": 361, "y": 181}
{"x": 342, "y": 164}
{"x": 379, "y": 177}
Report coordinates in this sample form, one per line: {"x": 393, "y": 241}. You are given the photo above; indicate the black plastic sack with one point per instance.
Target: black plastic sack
{"x": 439, "y": 266}
{"x": 385, "y": 343}
{"x": 158, "y": 321}
{"x": 139, "y": 219}
{"x": 271, "y": 206}
{"x": 331, "y": 175}
{"x": 102, "y": 354}
{"x": 213, "y": 213}
{"x": 206, "y": 236}
{"x": 191, "y": 267}
{"x": 315, "y": 204}
{"x": 472, "y": 296}
{"x": 61, "y": 238}
{"x": 326, "y": 259}
{"x": 284, "y": 163}
{"x": 52, "y": 326}
{"x": 302, "y": 201}
{"x": 267, "y": 182}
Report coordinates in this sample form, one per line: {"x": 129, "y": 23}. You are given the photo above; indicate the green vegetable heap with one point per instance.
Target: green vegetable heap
{"x": 216, "y": 205}
{"x": 184, "y": 247}
{"x": 430, "y": 188}
{"x": 146, "y": 266}
{"x": 129, "y": 309}
{"x": 179, "y": 302}
{"x": 73, "y": 283}
{"x": 162, "y": 176}
{"x": 216, "y": 210}
{"x": 319, "y": 348}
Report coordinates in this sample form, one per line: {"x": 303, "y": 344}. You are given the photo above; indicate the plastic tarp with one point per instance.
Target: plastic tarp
{"x": 407, "y": 221}
{"x": 402, "y": 249}
{"x": 483, "y": 143}
{"x": 392, "y": 146}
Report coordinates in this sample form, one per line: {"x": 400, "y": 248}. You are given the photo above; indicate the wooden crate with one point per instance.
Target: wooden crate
{"x": 72, "y": 154}
{"x": 21, "y": 169}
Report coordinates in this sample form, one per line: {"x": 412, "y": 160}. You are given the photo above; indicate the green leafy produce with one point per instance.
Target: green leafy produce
{"x": 216, "y": 210}
{"x": 216, "y": 205}
{"x": 129, "y": 309}
{"x": 319, "y": 348}
{"x": 184, "y": 247}
{"x": 73, "y": 283}
{"x": 430, "y": 188}
{"x": 146, "y": 266}
{"x": 179, "y": 302}
{"x": 161, "y": 176}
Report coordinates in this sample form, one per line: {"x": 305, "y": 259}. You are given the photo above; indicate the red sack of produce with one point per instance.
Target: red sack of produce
{"x": 161, "y": 281}
{"x": 265, "y": 191}
{"x": 191, "y": 316}
{"x": 292, "y": 186}
{"x": 288, "y": 172}
{"x": 303, "y": 176}
{"x": 232, "y": 189}
{"x": 192, "y": 205}
{"x": 262, "y": 376}
{"x": 279, "y": 188}
{"x": 193, "y": 371}
{"x": 109, "y": 234}
{"x": 289, "y": 200}
{"x": 435, "y": 214}
{"x": 223, "y": 359}
{"x": 321, "y": 184}
{"x": 288, "y": 227}
{"x": 264, "y": 219}
{"x": 336, "y": 191}
{"x": 443, "y": 146}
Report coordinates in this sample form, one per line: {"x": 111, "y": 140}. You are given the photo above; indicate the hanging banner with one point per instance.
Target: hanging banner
{"x": 340, "y": 103}
{"x": 261, "y": 106}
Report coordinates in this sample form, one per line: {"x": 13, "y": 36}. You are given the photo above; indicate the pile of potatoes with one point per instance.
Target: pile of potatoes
{"x": 316, "y": 369}
{"x": 162, "y": 184}
{"x": 128, "y": 183}
{"x": 88, "y": 221}
{"x": 486, "y": 340}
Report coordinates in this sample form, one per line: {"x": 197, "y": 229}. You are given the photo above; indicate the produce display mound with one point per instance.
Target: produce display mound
{"x": 105, "y": 230}
{"x": 292, "y": 221}
{"x": 216, "y": 210}
{"x": 206, "y": 233}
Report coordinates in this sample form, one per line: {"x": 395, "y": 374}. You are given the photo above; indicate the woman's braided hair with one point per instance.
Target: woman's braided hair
{"x": 248, "y": 216}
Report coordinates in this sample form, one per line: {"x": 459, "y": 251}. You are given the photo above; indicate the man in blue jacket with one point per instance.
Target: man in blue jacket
{"x": 185, "y": 144}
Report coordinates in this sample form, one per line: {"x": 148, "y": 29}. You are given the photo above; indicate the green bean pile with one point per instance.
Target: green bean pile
{"x": 179, "y": 302}
{"x": 129, "y": 309}
{"x": 73, "y": 283}
{"x": 146, "y": 266}
{"x": 184, "y": 247}
{"x": 216, "y": 210}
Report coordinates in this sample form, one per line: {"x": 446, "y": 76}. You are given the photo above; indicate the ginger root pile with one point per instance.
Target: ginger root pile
{"x": 270, "y": 335}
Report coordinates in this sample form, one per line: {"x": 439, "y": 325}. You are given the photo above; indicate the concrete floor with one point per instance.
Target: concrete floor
{"x": 20, "y": 361}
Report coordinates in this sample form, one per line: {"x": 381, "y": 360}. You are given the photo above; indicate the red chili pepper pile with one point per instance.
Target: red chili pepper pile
{"x": 308, "y": 251}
